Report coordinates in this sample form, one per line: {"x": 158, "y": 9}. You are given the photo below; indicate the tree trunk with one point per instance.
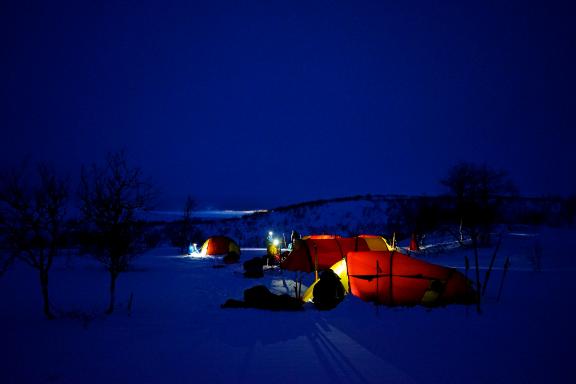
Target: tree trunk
{"x": 113, "y": 277}
{"x": 477, "y": 265}
{"x": 45, "y": 297}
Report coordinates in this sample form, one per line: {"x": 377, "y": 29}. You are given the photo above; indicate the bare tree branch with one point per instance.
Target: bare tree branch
{"x": 113, "y": 196}
{"x": 32, "y": 208}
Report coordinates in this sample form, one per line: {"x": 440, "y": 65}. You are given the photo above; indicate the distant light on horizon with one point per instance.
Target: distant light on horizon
{"x": 205, "y": 214}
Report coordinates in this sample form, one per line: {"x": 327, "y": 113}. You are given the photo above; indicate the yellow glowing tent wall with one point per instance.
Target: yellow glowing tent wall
{"x": 340, "y": 270}
{"x": 376, "y": 243}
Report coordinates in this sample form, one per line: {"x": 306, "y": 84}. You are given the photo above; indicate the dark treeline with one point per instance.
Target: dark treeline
{"x": 413, "y": 214}
{"x": 476, "y": 198}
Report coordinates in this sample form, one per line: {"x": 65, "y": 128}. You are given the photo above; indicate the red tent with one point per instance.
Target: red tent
{"x": 393, "y": 278}
{"x": 321, "y": 251}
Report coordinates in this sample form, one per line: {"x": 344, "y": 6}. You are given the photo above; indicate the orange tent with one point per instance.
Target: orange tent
{"x": 392, "y": 278}
{"x": 319, "y": 252}
{"x": 219, "y": 246}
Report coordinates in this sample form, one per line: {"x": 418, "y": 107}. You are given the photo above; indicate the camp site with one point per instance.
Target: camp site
{"x": 401, "y": 315}
{"x": 287, "y": 191}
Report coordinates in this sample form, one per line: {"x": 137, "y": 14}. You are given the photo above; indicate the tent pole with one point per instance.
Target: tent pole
{"x": 377, "y": 292}
{"x": 390, "y": 287}
{"x": 299, "y": 282}
{"x": 491, "y": 265}
{"x": 466, "y": 268}
{"x": 478, "y": 285}
{"x": 296, "y": 283}
{"x": 506, "y": 266}
{"x": 298, "y": 289}
{"x": 348, "y": 276}
{"x": 315, "y": 261}
{"x": 377, "y": 301}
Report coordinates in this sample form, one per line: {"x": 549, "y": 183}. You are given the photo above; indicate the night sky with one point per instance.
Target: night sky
{"x": 255, "y": 104}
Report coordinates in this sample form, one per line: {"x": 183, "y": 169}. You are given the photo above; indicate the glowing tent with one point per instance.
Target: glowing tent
{"x": 319, "y": 252}
{"x": 219, "y": 246}
{"x": 393, "y": 278}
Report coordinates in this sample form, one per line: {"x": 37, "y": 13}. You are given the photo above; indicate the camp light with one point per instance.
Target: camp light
{"x": 276, "y": 242}
{"x": 193, "y": 251}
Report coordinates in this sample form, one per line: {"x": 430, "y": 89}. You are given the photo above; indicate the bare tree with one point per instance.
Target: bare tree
{"x": 478, "y": 190}
{"x": 183, "y": 233}
{"x": 6, "y": 254}
{"x": 32, "y": 218}
{"x": 186, "y": 228}
{"x": 112, "y": 196}
{"x": 6, "y": 260}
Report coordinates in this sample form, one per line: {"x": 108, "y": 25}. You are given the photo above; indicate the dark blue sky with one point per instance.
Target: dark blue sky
{"x": 262, "y": 103}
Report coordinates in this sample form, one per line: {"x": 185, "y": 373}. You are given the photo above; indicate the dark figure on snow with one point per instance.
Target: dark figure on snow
{"x": 328, "y": 291}
{"x": 295, "y": 241}
{"x": 294, "y": 236}
{"x": 231, "y": 257}
{"x": 254, "y": 267}
{"x": 260, "y": 297}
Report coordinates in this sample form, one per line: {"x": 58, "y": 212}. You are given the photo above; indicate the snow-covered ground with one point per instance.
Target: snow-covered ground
{"x": 177, "y": 332}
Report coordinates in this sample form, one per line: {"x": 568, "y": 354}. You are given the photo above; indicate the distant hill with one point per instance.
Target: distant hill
{"x": 343, "y": 216}
{"x": 373, "y": 214}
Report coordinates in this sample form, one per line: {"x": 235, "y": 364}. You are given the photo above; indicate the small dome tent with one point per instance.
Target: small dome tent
{"x": 219, "y": 246}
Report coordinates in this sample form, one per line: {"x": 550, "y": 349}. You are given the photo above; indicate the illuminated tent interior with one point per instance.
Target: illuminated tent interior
{"x": 219, "y": 246}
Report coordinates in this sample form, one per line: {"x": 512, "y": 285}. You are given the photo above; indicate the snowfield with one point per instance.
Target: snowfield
{"x": 175, "y": 331}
